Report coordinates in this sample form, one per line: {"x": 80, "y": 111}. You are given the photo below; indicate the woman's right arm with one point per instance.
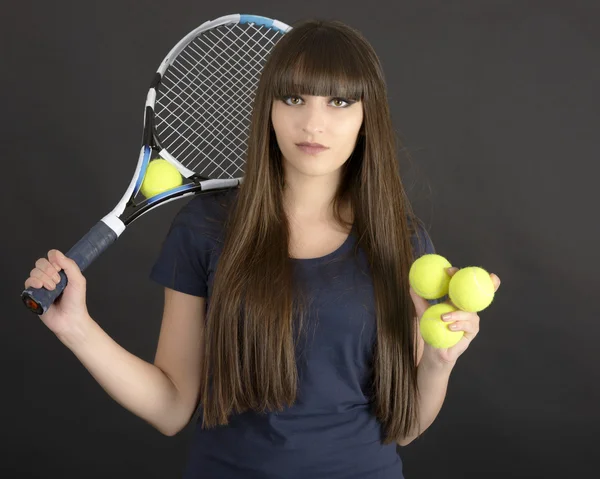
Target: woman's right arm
{"x": 164, "y": 394}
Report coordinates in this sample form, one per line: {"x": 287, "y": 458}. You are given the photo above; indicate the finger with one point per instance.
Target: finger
{"x": 460, "y": 315}
{"x": 52, "y": 270}
{"x": 466, "y": 326}
{"x": 452, "y": 270}
{"x": 42, "y": 263}
{"x": 46, "y": 281}
{"x": 70, "y": 267}
{"x": 53, "y": 256}
{"x": 47, "y": 267}
{"x": 34, "y": 282}
{"x": 496, "y": 281}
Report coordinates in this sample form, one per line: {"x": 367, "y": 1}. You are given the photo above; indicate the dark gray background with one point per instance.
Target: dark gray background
{"x": 497, "y": 103}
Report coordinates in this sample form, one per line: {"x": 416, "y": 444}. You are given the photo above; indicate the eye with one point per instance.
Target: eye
{"x": 291, "y": 97}
{"x": 294, "y": 100}
{"x": 340, "y": 100}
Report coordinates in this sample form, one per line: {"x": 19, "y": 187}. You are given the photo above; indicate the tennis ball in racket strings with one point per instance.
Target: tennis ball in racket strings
{"x": 471, "y": 289}
{"x": 160, "y": 176}
{"x": 435, "y": 330}
{"x": 428, "y": 276}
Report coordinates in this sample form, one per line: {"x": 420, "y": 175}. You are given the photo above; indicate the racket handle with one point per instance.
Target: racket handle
{"x": 85, "y": 251}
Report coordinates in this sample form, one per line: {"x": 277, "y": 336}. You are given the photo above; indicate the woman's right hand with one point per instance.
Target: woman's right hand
{"x": 70, "y": 309}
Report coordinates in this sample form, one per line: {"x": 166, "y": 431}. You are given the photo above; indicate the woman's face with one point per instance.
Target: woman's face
{"x": 329, "y": 121}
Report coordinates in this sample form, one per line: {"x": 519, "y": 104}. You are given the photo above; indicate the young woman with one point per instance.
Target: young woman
{"x": 308, "y": 362}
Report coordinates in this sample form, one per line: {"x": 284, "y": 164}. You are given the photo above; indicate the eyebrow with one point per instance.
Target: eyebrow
{"x": 329, "y": 96}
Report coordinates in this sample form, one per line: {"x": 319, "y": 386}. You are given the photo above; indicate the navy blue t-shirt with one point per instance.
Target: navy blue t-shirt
{"x": 330, "y": 431}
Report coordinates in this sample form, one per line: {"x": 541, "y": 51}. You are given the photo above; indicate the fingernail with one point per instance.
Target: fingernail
{"x": 447, "y": 316}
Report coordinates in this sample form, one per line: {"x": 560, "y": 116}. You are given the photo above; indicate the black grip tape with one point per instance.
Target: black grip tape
{"x": 86, "y": 250}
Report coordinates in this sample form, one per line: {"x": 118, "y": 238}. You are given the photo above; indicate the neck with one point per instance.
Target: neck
{"x": 311, "y": 200}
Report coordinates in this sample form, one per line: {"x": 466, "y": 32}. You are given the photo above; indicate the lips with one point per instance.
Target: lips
{"x": 314, "y": 145}
{"x": 311, "y": 148}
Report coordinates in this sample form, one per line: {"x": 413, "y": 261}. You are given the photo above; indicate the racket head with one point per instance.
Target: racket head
{"x": 199, "y": 106}
{"x": 204, "y": 98}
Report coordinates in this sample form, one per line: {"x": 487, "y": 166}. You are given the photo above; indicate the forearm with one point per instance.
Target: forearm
{"x": 432, "y": 379}
{"x": 135, "y": 384}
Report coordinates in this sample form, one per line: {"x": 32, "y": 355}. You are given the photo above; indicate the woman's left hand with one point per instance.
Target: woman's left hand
{"x": 462, "y": 321}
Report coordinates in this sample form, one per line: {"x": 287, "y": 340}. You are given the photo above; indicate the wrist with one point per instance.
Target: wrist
{"x": 78, "y": 333}
{"x": 431, "y": 361}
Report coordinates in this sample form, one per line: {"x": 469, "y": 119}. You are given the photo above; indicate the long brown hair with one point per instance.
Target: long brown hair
{"x": 249, "y": 359}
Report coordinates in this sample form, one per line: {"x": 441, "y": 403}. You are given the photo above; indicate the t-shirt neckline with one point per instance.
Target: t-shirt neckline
{"x": 341, "y": 249}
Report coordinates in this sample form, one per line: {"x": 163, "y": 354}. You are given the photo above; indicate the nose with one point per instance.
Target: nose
{"x": 313, "y": 119}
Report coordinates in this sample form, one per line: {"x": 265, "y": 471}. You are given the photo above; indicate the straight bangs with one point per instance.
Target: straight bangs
{"x": 322, "y": 63}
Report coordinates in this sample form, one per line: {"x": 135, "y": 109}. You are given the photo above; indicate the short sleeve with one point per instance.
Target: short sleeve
{"x": 182, "y": 263}
{"x": 422, "y": 244}
{"x": 421, "y": 241}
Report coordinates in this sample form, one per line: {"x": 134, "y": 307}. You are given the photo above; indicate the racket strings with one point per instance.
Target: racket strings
{"x": 248, "y": 88}
{"x": 204, "y": 104}
{"x": 188, "y": 144}
{"x": 216, "y": 111}
{"x": 212, "y": 113}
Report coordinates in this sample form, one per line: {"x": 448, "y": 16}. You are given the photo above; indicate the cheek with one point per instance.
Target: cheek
{"x": 358, "y": 121}
{"x": 280, "y": 123}
{"x": 275, "y": 118}
{"x": 349, "y": 128}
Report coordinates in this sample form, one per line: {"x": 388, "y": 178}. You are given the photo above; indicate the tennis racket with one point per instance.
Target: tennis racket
{"x": 196, "y": 117}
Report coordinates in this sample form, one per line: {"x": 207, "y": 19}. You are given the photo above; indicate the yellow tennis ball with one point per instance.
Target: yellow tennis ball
{"x": 160, "y": 176}
{"x": 471, "y": 289}
{"x": 435, "y": 330}
{"x": 428, "y": 276}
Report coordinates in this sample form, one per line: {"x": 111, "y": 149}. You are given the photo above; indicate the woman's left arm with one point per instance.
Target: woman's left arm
{"x": 435, "y": 365}
{"x": 432, "y": 378}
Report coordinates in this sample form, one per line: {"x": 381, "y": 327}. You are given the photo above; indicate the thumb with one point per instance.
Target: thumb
{"x": 70, "y": 268}
{"x": 421, "y": 304}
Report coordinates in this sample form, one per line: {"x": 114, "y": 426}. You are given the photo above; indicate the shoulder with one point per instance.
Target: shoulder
{"x": 206, "y": 209}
